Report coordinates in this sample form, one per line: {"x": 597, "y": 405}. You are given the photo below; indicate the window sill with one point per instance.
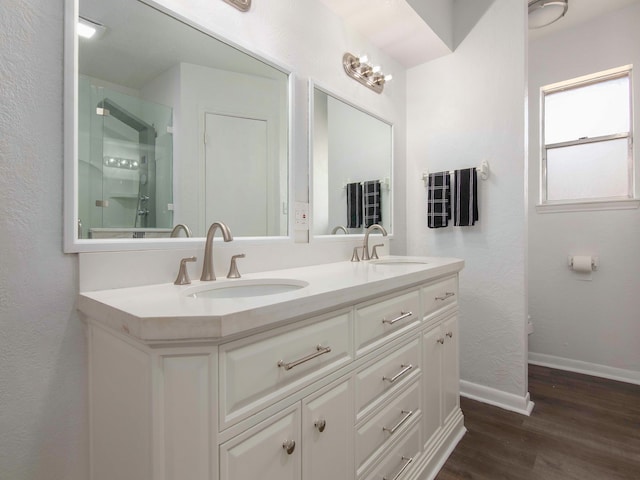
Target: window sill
{"x": 588, "y": 206}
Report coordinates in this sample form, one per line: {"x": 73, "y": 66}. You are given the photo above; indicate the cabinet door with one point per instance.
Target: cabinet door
{"x": 450, "y": 368}
{"x": 268, "y": 451}
{"x": 432, "y": 347}
{"x": 327, "y": 434}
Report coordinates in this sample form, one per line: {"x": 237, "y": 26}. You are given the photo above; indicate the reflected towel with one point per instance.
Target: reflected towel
{"x": 438, "y": 206}
{"x": 465, "y": 198}
{"x": 354, "y": 205}
{"x": 371, "y": 196}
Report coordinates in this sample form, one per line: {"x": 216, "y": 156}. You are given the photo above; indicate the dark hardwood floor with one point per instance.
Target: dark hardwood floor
{"x": 582, "y": 428}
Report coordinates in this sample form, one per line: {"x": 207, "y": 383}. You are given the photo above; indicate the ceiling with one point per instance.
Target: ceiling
{"x": 394, "y": 27}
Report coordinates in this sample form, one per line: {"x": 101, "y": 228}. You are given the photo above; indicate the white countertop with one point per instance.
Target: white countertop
{"x": 165, "y": 312}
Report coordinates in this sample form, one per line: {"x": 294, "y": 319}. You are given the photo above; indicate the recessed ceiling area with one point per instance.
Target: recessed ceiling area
{"x": 394, "y": 27}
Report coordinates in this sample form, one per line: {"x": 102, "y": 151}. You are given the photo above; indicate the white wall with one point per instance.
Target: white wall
{"x": 465, "y": 108}
{"x": 43, "y": 402}
{"x": 43, "y": 406}
{"x": 589, "y": 326}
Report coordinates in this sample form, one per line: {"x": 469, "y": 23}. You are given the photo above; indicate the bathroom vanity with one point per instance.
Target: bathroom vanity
{"x": 338, "y": 371}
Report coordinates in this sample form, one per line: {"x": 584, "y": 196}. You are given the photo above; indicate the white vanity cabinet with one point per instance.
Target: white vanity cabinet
{"x": 441, "y": 380}
{"x": 311, "y": 439}
{"x": 270, "y": 450}
{"x": 327, "y": 433}
{"x": 366, "y": 390}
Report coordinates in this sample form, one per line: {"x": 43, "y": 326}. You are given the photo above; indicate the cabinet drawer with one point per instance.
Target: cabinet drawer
{"x": 254, "y": 374}
{"x": 379, "y": 322}
{"x": 439, "y": 295}
{"x": 394, "y": 369}
{"x": 401, "y": 459}
{"x": 269, "y": 450}
{"x": 388, "y": 424}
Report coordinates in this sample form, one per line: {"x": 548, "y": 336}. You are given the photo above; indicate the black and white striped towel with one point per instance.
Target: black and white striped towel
{"x": 438, "y": 207}
{"x": 465, "y": 198}
{"x": 372, "y": 210}
{"x": 354, "y": 205}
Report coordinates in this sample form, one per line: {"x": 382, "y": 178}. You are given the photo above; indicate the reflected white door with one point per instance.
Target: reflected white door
{"x": 236, "y": 173}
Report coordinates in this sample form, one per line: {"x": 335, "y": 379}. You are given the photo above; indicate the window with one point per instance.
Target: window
{"x": 587, "y": 140}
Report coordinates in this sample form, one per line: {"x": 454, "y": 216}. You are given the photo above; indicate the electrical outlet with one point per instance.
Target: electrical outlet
{"x": 301, "y": 216}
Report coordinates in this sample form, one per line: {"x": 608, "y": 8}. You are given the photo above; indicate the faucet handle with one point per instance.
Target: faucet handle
{"x": 374, "y": 255}
{"x": 355, "y": 257}
{"x": 233, "y": 268}
{"x": 183, "y": 274}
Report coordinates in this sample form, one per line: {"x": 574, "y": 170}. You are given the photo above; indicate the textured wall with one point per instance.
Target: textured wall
{"x": 592, "y": 322}
{"x": 42, "y": 345}
{"x": 465, "y": 108}
{"x": 43, "y": 404}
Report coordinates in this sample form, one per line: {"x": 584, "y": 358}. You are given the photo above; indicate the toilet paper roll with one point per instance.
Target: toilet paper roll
{"x": 582, "y": 263}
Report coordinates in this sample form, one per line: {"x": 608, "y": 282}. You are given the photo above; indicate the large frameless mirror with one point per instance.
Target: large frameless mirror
{"x": 352, "y": 164}
{"x": 174, "y": 130}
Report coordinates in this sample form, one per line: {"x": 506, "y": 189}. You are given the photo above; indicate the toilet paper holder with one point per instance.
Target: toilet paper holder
{"x": 594, "y": 262}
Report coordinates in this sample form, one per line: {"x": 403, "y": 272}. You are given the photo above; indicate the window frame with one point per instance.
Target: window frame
{"x": 596, "y": 203}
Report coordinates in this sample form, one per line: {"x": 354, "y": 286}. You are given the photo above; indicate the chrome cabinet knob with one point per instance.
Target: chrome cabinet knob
{"x": 320, "y": 425}
{"x": 289, "y": 446}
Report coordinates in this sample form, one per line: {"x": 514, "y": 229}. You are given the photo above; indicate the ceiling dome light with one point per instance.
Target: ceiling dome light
{"x": 545, "y": 12}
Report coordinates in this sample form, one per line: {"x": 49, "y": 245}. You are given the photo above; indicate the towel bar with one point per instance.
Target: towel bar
{"x": 483, "y": 170}
{"x": 384, "y": 182}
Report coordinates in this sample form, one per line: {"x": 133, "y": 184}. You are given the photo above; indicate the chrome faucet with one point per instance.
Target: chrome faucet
{"x": 365, "y": 247}
{"x": 178, "y": 227}
{"x": 207, "y": 265}
{"x": 339, "y": 228}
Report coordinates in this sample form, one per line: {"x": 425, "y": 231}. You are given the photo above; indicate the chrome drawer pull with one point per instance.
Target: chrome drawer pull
{"x": 449, "y": 334}
{"x": 405, "y": 369}
{"x": 402, "y": 316}
{"x": 441, "y": 340}
{"x": 393, "y": 429}
{"x": 320, "y": 351}
{"x": 289, "y": 446}
{"x": 446, "y": 295}
{"x": 320, "y": 425}
{"x": 404, "y": 467}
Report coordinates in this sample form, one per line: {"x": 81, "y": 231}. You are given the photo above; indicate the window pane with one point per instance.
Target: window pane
{"x": 595, "y": 170}
{"x": 591, "y": 111}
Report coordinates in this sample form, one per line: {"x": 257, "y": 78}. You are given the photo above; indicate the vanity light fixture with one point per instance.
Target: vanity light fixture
{"x": 359, "y": 69}
{"x": 89, "y": 29}
{"x": 545, "y": 12}
{"x": 242, "y": 5}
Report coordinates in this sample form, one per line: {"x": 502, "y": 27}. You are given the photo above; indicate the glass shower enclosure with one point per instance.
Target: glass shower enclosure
{"x": 125, "y": 164}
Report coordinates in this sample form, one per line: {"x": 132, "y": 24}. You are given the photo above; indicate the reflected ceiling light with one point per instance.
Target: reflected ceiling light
{"x": 89, "y": 29}
{"x": 545, "y": 12}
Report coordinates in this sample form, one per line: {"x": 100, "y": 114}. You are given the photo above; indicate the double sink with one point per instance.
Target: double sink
{"x": 271, "y": 286}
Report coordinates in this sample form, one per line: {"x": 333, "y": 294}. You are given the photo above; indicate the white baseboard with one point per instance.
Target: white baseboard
{"x": 498, "y": 398}
{"x": 594, "y": 369}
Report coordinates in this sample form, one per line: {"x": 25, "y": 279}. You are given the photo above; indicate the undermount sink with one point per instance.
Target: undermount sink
{"x": 398, "y": 261}
{"x": 246, "y": 288}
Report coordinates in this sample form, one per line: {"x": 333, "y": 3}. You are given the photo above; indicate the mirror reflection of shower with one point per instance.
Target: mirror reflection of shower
{"x": 125, "y": 179}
